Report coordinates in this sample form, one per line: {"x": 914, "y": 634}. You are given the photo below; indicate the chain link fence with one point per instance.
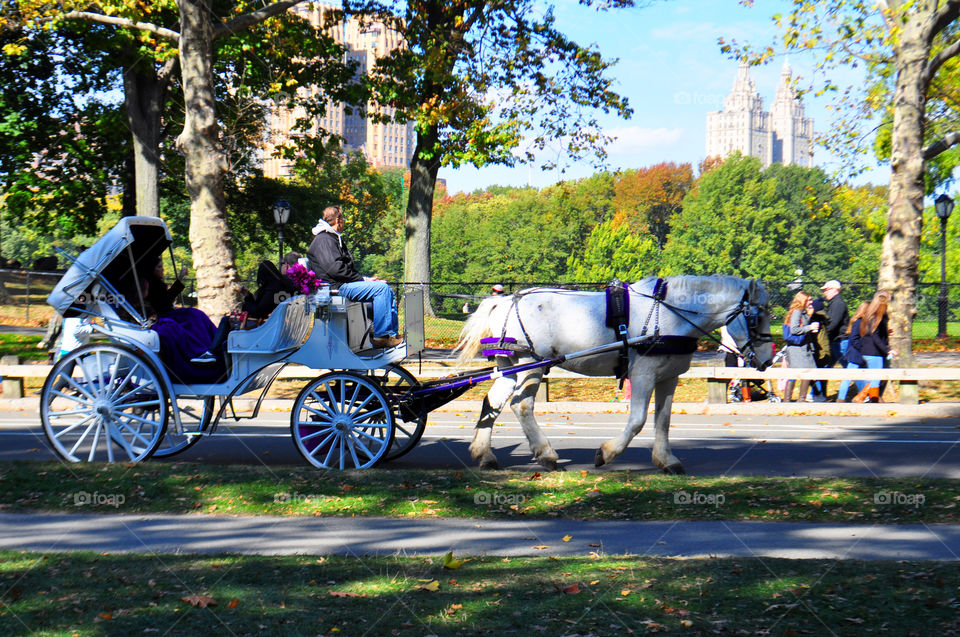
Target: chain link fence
{"x": 23, "y": 295}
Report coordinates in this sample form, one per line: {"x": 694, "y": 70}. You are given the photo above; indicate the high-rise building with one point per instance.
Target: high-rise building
{"x": 385, "y": 145}
{"x": 783, "y": 135}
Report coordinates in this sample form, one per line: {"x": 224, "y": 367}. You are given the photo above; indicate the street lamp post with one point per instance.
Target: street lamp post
{"x": 281, "y": 214}
{"x": 944, "y": 206}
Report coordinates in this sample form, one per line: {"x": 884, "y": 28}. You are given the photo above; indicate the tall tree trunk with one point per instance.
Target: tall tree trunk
{"x": 901, "y": 245}
{"x": 423, "y": 181}
{"x": 143, "y": 94}
{"x": 206, "y": 164}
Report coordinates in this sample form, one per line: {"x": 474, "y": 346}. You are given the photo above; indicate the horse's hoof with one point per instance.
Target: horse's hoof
{"x": 491, "y": 465}
{"x": 674, "y": 470}
{"x": 598, "y": 460}
{"x": 550, "y": 465}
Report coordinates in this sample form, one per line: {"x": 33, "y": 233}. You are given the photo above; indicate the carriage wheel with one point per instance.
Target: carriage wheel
{"x": 408, "y": 427}
{"x": 103, "y": 402}
{"x": 195, "y": 424}
{"x": 342, "y": 421}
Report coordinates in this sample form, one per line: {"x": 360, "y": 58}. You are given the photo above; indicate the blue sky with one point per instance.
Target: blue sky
{"x": 672, "y": 71}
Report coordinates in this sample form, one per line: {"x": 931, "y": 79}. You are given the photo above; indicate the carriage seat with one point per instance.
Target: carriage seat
{"x": 287, "y": 327}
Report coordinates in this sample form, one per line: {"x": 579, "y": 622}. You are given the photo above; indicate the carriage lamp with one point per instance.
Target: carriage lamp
{"x": 281, "y": 214}
{"x": 944, "y": 206}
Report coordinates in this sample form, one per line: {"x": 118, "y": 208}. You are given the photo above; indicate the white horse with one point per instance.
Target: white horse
{"x": 551, "y": 323}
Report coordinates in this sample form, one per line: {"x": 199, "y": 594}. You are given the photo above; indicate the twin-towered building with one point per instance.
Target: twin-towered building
{"x": 783, "y": 135}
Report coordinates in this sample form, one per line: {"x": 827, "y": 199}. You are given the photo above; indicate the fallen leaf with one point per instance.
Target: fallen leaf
{"x": 535, "y": 476}
{"x": 594, "y": 582}
{"x": 233, "y": 603}
{"x": 107, "y": 615}
{"x": 450, "y": 562}
{"x": 454, "y": 608}
{"x": 573, "y": 589}
{"x": 199, "y": 601}
{"x": 344, "y": 594}
{"x": 540, "y": 547}
{"x": 433, "y": 586}
{"x": 625, "y": 592}
{"x": 567, "y": 538}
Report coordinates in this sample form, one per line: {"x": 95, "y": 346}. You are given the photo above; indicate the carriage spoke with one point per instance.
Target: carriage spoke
{"x": 80, "y": 389}
{"x": 352, "y": 444}
{"x": 331, "y": 405}
{"x": 318, "y": 433}
{"x": 361, "y": 432}
{"x": 73, "y": 426}
{"x": 365, "y": 417}
{"x": 121, "y": 425}
{"x": 73, "y": 397}
{"x": 125, "y": 382}
{"x": 85, "y": 433}
{"x": 96, "y": 440}
{"x": 323, "y": 414}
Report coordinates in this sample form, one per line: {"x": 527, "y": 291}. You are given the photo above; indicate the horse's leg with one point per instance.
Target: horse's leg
{"x": 662, "y": 456}
{"x": 493, "y": 403}
{"x": 641, "y": 387}
{"x": 522, "y": 405}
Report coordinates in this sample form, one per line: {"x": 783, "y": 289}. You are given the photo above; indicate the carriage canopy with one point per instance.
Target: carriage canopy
{"x": 121, "y": 257}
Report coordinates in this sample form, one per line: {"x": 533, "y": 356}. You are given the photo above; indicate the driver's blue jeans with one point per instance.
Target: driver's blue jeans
{"x": 385, "y": 321}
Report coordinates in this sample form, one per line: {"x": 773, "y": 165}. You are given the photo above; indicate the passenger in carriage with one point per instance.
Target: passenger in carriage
{"x": 185, "y": 332}
{"x": 331, "y": 260}
{"x": 273, "y": 287}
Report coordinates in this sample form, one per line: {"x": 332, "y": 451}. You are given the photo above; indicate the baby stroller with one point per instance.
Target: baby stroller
{"x": 757, "y": 390}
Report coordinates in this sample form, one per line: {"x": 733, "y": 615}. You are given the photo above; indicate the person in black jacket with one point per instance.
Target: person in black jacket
{"x": 273, "y": 287}
{"x": 330, "y": 259}
{"x": 838, "y": 320}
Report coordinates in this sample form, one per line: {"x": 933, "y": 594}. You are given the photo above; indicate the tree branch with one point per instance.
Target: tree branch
{"x": 944, "y": 17}
{"x": 942, "y": 144}
{"x": 255, "y": 17}
{"x": 123, "y": 22}
{"x": 951, "y": 50}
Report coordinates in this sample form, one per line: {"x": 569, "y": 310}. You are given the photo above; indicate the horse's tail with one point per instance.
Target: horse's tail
{"x": 476, "y": 328}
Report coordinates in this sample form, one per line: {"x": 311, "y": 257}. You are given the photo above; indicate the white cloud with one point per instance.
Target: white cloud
{"x": 634, "y": 139}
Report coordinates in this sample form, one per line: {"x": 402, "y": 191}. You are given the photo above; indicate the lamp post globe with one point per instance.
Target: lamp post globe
{"x": 281, "y": 214}
{"x": 943, "y": 206}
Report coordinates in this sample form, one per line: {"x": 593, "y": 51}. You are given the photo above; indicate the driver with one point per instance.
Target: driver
{"x": 330, "y": 259}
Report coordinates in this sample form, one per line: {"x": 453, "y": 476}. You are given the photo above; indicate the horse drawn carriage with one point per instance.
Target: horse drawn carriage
{"x": 114, "y": 399}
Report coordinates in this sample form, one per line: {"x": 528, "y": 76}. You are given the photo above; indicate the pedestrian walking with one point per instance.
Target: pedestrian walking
{"x": 796, "y": 328}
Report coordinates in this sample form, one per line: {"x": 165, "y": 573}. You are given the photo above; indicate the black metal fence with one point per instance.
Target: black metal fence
{"x": 23, "y": 296}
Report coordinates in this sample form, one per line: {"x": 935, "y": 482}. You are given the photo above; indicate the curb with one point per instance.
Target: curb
{"x": 881, "y": 410}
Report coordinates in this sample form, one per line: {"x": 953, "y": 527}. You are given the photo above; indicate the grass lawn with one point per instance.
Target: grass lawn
{"x": 89, "y": 594}
{"x": 23, "y": 345}
{"x": 183, "y": 488}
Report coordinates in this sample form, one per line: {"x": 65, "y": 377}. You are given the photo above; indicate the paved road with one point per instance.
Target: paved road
{"x": 707, "y": 445}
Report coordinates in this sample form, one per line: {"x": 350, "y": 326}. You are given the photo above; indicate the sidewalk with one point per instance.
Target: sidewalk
{"x": 470, "y": 537}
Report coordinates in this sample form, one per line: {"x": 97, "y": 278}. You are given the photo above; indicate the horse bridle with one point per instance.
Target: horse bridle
{"x": 751, "y": 313}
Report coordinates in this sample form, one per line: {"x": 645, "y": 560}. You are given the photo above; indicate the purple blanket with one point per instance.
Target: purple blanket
{"x": 185, "y": 333}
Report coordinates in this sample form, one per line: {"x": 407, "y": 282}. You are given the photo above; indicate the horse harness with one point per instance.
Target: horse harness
{"x": 617, "y": 296}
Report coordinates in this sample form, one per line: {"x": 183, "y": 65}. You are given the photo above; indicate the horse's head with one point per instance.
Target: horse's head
{"x": 749, "y": 325}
